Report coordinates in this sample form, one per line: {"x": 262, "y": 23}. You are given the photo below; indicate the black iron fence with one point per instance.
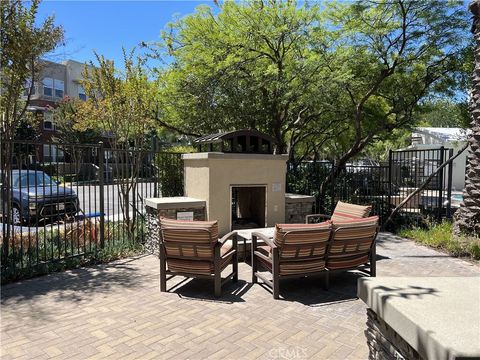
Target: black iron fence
{"x": 384, "y": 186}
{"x": 64, "y": 204}
{"x": 70, "y": 203}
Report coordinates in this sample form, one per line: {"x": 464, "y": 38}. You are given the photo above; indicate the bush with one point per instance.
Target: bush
{"x": 440, "y": 236}
{"x": 170, "y": 174}
{"x": 74, "y": 246}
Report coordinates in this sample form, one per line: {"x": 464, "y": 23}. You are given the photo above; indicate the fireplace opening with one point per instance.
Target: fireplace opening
{"x": 248, "y": 207}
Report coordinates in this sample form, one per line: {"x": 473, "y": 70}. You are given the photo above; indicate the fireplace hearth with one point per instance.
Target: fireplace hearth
{"x": 248, "y": 207}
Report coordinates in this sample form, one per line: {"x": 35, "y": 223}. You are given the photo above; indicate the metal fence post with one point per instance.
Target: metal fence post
{"x": 101, "y": 184}
{"x": 154, "y": 166}
{"x": 449, "y": 185}
{"x": 390, "y": 187}
{"x": 440, "y": 187}
{"x": 332, "y": 201}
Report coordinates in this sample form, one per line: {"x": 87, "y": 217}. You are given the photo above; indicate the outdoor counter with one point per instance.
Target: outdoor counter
{"x": 422, "y": 317}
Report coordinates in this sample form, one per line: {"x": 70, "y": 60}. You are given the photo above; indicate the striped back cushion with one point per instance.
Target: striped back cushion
{"x": 201, "y": 236}
{"x": 354, "y": 236}
{"x": 302, "y": 240}
{"x": 345, "y": 211}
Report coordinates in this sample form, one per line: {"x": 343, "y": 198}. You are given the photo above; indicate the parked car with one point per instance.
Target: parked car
{"x": 36, "y": 196}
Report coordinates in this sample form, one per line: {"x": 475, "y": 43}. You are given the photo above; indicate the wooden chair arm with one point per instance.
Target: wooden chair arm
{"x": 260, "y": 255}
{"x": 230, "y": 235}
{"x": 322, "y": 216}
{"x": 266, "y": 239}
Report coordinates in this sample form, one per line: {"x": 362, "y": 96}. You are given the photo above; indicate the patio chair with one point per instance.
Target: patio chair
{"x": 352, "y": 246}
{"x": 296, "y": 250}
{"x": 343, "y": 211}
{"x": 192, "y": 249}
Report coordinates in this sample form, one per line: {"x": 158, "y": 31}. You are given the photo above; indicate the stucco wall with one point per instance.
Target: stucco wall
{"x": 209, "y": 176}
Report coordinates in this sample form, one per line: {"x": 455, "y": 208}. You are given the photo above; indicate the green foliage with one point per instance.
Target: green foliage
{"x": 120, "y": 104}
{"x": 180, "y": 149}
{"x": 23, "y": 42}
{"x": 379, "y": 149}
{"x": 388, "y": 73}
{"x": 68, "y": 115}
{"x": 169, "y": 173}
{"x": 306, "y": 177}
{"x": 247, "y": 67}
{"x": 444, "y": 113}
{"x": 323, "y": 81}
{"x": 54, "y": 250}
{"x": 440, "y": 236}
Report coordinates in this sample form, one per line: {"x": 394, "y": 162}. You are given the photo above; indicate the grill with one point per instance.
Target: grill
{"x": 58, "y": 207}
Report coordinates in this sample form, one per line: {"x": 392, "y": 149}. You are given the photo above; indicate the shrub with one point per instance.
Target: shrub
{"x": 58, "y": 249}
{"x": 170, "y": 174}
{"x": 440, "y": 236}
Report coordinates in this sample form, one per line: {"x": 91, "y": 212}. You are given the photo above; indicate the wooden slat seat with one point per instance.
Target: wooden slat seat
{"x": 192, "y": 249}
{"x": 296, "y": 250}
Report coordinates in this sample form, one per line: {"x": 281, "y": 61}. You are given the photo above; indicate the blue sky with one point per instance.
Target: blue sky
{"x": 106, "y": 26}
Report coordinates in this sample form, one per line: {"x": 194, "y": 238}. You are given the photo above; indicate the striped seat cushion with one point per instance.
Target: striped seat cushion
{"x": 302, "y": 240}
{"x": 210, "y": 226}
{"x": 352, "y": 241}
{"x": 203, "y": 235}
{"x": 345, "y": 211}
{"x": 201, "y": 267}
{"x": 301, "y": 267}
{"x": 354, "y": 236}
{"x": 373, "y": 220}
{"x": 297, "y": 234}
{"x": 360, "y": 246}
{"x": 346, "y": 262}
{"x": 177, "y": 249}
{"x": 291, "y": 267}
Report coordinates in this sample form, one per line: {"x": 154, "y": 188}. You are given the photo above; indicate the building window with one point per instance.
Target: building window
{"x": 81, "y": 93}
{"x": 48, "y": 86}
{"x": 59, "y": 88}
{"x": 51, "y": 153}
{"x": 48, "y": 121}
{"x": 28, "y": 86}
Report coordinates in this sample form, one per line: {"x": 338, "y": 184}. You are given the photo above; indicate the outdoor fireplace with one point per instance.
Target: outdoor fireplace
{"x": 248, "y": 207}
{"x": 243, "y": 186}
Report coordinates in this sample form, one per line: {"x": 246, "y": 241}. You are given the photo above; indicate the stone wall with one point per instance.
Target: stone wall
{"x": 152, "y": 238}
{"x": 384, "y": 343}
{"x": 297, "y": 207}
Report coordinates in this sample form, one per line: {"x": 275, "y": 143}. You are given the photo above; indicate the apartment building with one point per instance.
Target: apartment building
{"x": 56, "y": 81}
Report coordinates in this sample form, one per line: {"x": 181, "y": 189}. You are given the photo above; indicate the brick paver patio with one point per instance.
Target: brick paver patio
{"x": 116, "y": 311}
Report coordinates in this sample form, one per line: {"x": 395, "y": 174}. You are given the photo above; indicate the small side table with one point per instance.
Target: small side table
{"x": 246, "y": 235}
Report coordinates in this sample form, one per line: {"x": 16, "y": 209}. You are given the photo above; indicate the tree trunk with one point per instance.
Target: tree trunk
{"x": 467, "y": 217}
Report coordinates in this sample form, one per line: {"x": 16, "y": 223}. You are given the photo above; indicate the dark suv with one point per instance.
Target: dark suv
{"x": 35, "y": 196}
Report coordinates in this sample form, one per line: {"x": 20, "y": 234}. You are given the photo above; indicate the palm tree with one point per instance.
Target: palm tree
{"x": 467, "y": 218}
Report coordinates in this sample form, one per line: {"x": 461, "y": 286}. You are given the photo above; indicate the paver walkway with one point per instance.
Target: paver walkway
{"x": 116, "y": 311}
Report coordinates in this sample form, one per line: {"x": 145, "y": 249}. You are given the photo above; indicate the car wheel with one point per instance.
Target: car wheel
{"x": 16, "y": 215}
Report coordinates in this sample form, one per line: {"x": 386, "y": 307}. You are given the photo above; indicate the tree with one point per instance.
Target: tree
{"x": 251, "y": 66}
{"x": 467, "y": 217}
{"x": 444, "y": 113}
{"x": 392, "y": 55}
{"x": 69, "y": 114}
{"x": 323, "y": 82}
{"x": 121, "y": 105}
{"x": 22, "y": 45}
